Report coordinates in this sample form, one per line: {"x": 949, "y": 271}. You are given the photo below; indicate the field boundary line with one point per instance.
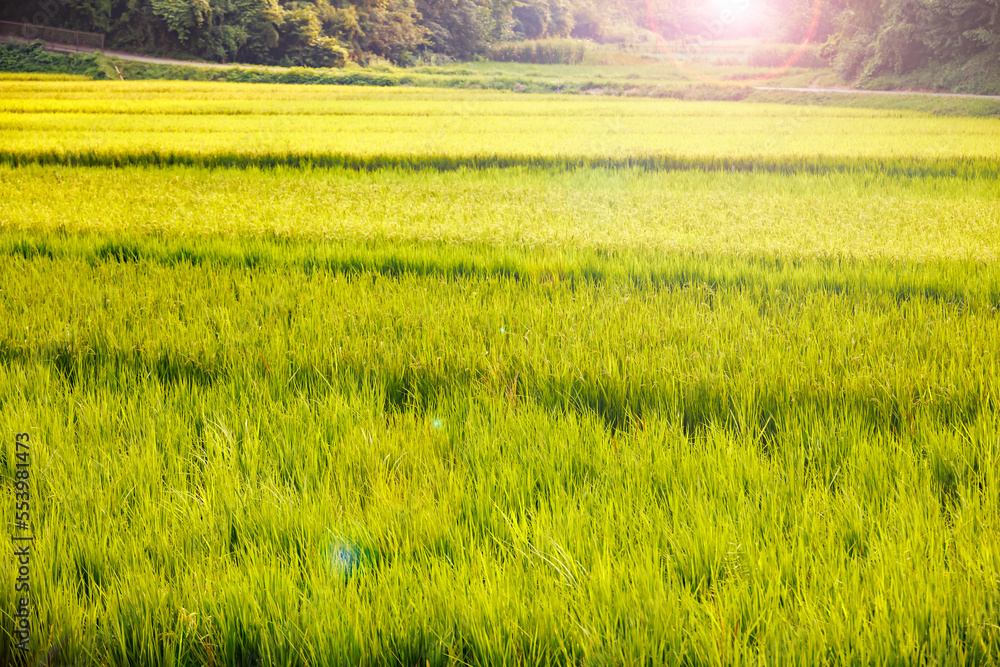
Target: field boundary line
{"x": 855, "y": 91}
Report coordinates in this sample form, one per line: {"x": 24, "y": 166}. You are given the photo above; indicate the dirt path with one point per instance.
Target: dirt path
{"x": 164, "y": 61}
{"x": 134, "y": 57}
{"x": 189, "y": 63}
{"x": 852, "y": 91}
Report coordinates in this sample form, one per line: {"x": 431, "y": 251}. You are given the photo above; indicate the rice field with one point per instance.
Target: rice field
{"x": 182, "y": 123}
{"x": 432, "y": 377}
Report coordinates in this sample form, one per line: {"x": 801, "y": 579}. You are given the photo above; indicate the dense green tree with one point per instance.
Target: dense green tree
{"x": 456, "y": 28}
{"x": 388, "y": 28}
{"x": 899, "y": 36}
{"x": 797, "y": 21}
{"x": 532, "y": 18}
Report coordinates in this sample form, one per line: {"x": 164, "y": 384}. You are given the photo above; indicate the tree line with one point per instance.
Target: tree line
{"x": 874, "y": 37}
{"x": 861, "y": 37}
{"x": 326, "y": 32}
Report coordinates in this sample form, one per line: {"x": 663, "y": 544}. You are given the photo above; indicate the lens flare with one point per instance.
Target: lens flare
{"x": 343, "y": 558}
{"x": 729, "y": 11}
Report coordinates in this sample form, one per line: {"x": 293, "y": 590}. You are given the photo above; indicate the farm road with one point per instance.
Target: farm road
{"x": 854, "y": 91}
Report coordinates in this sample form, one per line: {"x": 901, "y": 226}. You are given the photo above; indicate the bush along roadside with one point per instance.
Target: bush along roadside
{"x": 33, "y": 58}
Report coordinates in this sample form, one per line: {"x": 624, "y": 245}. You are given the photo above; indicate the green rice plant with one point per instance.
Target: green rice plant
{"x": 684, "y": 470}
{"x": 39, "y": 76}
{"x": 476, "y": 132}
{"x": 572, "y": 382}
{"x": 836, "y": 216}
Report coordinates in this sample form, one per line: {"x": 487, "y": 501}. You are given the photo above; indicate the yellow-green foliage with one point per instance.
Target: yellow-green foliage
{"x": 181, "y": 123}
{"x": 833, "y": 215}
{"x": 528, "y": 415}
{"x": 39, "y": 76}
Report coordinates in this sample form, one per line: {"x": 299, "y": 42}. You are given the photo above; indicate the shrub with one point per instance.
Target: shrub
{"x": 32, "y": 57}
{"x": 780, "y": 55}
{"x": 541, "y": 52}
{"x": 326, "y": 52}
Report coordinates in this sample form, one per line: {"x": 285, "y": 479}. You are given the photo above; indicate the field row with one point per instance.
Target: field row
{"x": 749, "y": 215}
{"x": 364, "y": 128}
{"x": 179, "y": 97}
{"x": 680, "y": 347}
